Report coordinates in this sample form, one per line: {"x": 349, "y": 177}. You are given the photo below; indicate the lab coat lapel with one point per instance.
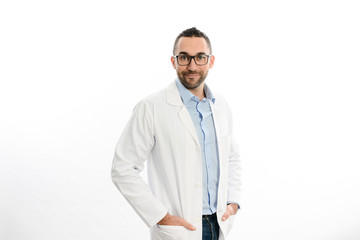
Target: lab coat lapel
{"x": 216, "y": 115}
{"x": 174, "y": 99}
{"x": 189, "y": 124}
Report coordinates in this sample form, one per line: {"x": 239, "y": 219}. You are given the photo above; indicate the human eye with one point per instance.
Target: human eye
{"x": 200, "y": 57}
{"x": 183, "y": 57}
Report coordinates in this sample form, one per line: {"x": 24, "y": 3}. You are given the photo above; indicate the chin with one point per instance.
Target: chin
{"x": 191, "y": 83}
{"x": 194, "y": 85}
{"x": 192, "y": 80}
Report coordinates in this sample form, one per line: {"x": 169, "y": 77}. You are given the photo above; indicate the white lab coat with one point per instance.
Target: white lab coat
{"x": 161, "y": 131}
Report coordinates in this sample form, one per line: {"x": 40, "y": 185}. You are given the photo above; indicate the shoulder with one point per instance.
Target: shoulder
{"x": 155, "y": 99}
{"x": 219, "y": 97}
{"x": 169, "y": 93}
{"x": 221, "y": 101}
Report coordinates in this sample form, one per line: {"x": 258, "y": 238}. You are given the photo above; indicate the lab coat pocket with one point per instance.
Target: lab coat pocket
{"x": 230, "y": 223}
{"x": 169, "y": 232}
{"x": 227, "y": 225}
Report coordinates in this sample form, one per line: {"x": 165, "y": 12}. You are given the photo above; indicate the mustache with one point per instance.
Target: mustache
{"x": 190, "y": 72}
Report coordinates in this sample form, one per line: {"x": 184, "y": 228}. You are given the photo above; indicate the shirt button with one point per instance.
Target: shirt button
{"x": 198, "y": 185}
{"x": 197, "y": 148}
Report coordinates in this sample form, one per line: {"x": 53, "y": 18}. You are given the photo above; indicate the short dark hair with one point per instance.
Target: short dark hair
{"x": 192, "y": 32}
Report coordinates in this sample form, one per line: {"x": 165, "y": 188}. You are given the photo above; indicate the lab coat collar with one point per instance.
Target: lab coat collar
{"x": 173, "y": 98}
{"x": 173, "y": 95}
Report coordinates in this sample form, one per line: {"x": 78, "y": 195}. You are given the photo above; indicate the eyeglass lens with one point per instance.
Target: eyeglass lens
{"x": 184, "y": 59}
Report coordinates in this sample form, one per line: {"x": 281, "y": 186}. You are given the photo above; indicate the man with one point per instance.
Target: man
{"x": 185, "y": 133}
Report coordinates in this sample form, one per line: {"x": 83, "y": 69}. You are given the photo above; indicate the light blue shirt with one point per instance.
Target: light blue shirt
{"x": 202, "y": 117}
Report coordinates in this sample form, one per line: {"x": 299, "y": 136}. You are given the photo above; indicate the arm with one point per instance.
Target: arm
{"x": 234, "y": 173}
{"x": 132, "y": 150}
{"x": 234, "y": 184}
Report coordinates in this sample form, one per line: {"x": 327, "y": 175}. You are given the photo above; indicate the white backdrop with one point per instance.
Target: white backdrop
{"x": 72, "y": 71}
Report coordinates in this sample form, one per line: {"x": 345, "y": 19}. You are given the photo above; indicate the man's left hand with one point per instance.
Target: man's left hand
{"x": 231, "y": 209}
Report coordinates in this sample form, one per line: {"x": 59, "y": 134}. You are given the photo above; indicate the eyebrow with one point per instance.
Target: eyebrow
{"x": 199, "y": 53}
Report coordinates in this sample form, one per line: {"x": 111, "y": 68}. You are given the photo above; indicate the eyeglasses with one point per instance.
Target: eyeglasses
{"x": 184, "y": 60}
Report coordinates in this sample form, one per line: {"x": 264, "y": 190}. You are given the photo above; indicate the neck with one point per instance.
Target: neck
{"x": 198, "y": 92}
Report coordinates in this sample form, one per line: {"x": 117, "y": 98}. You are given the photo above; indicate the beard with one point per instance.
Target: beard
{"x": 191, "y": 82}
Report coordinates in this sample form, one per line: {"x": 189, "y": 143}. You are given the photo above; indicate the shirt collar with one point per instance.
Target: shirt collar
{"x": 186, "y": 95}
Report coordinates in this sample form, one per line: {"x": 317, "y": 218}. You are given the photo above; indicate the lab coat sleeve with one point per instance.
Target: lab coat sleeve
{"x": 234, "y": 184}
{"x": 132, "y": 150}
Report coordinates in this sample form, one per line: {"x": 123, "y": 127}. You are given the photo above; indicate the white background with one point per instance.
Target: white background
{"x": 72, "y": 71}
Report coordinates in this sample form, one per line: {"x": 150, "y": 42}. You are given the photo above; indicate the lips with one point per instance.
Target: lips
{"x": 191, "y": 75}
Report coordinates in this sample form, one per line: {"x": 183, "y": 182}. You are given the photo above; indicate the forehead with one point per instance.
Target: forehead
{"x": 192, "y": 45}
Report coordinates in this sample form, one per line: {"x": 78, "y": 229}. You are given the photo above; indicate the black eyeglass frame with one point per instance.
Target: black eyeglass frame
{"x": 191, "y": 58}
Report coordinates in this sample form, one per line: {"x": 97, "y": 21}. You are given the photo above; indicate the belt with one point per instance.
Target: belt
{"x": 210, "y": 216}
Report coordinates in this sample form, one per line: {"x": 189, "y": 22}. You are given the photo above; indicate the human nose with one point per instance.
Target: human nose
{"x": 192, "y": 65}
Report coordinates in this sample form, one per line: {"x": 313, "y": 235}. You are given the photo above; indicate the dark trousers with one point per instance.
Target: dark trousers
{"x": 210, "y": 227}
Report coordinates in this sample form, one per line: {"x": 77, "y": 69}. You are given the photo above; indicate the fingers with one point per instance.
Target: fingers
{"x": 188, "y": 225}
{"x": 176, "y": 221}
{"x": 234, "y": 208}
{"x": 225, "y": 216}
{"x": 229, "y": 211}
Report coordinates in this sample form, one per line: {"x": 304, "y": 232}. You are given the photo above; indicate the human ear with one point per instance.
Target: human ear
{"x": 173, "y": 62}
{"x": 212, "y": 60}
